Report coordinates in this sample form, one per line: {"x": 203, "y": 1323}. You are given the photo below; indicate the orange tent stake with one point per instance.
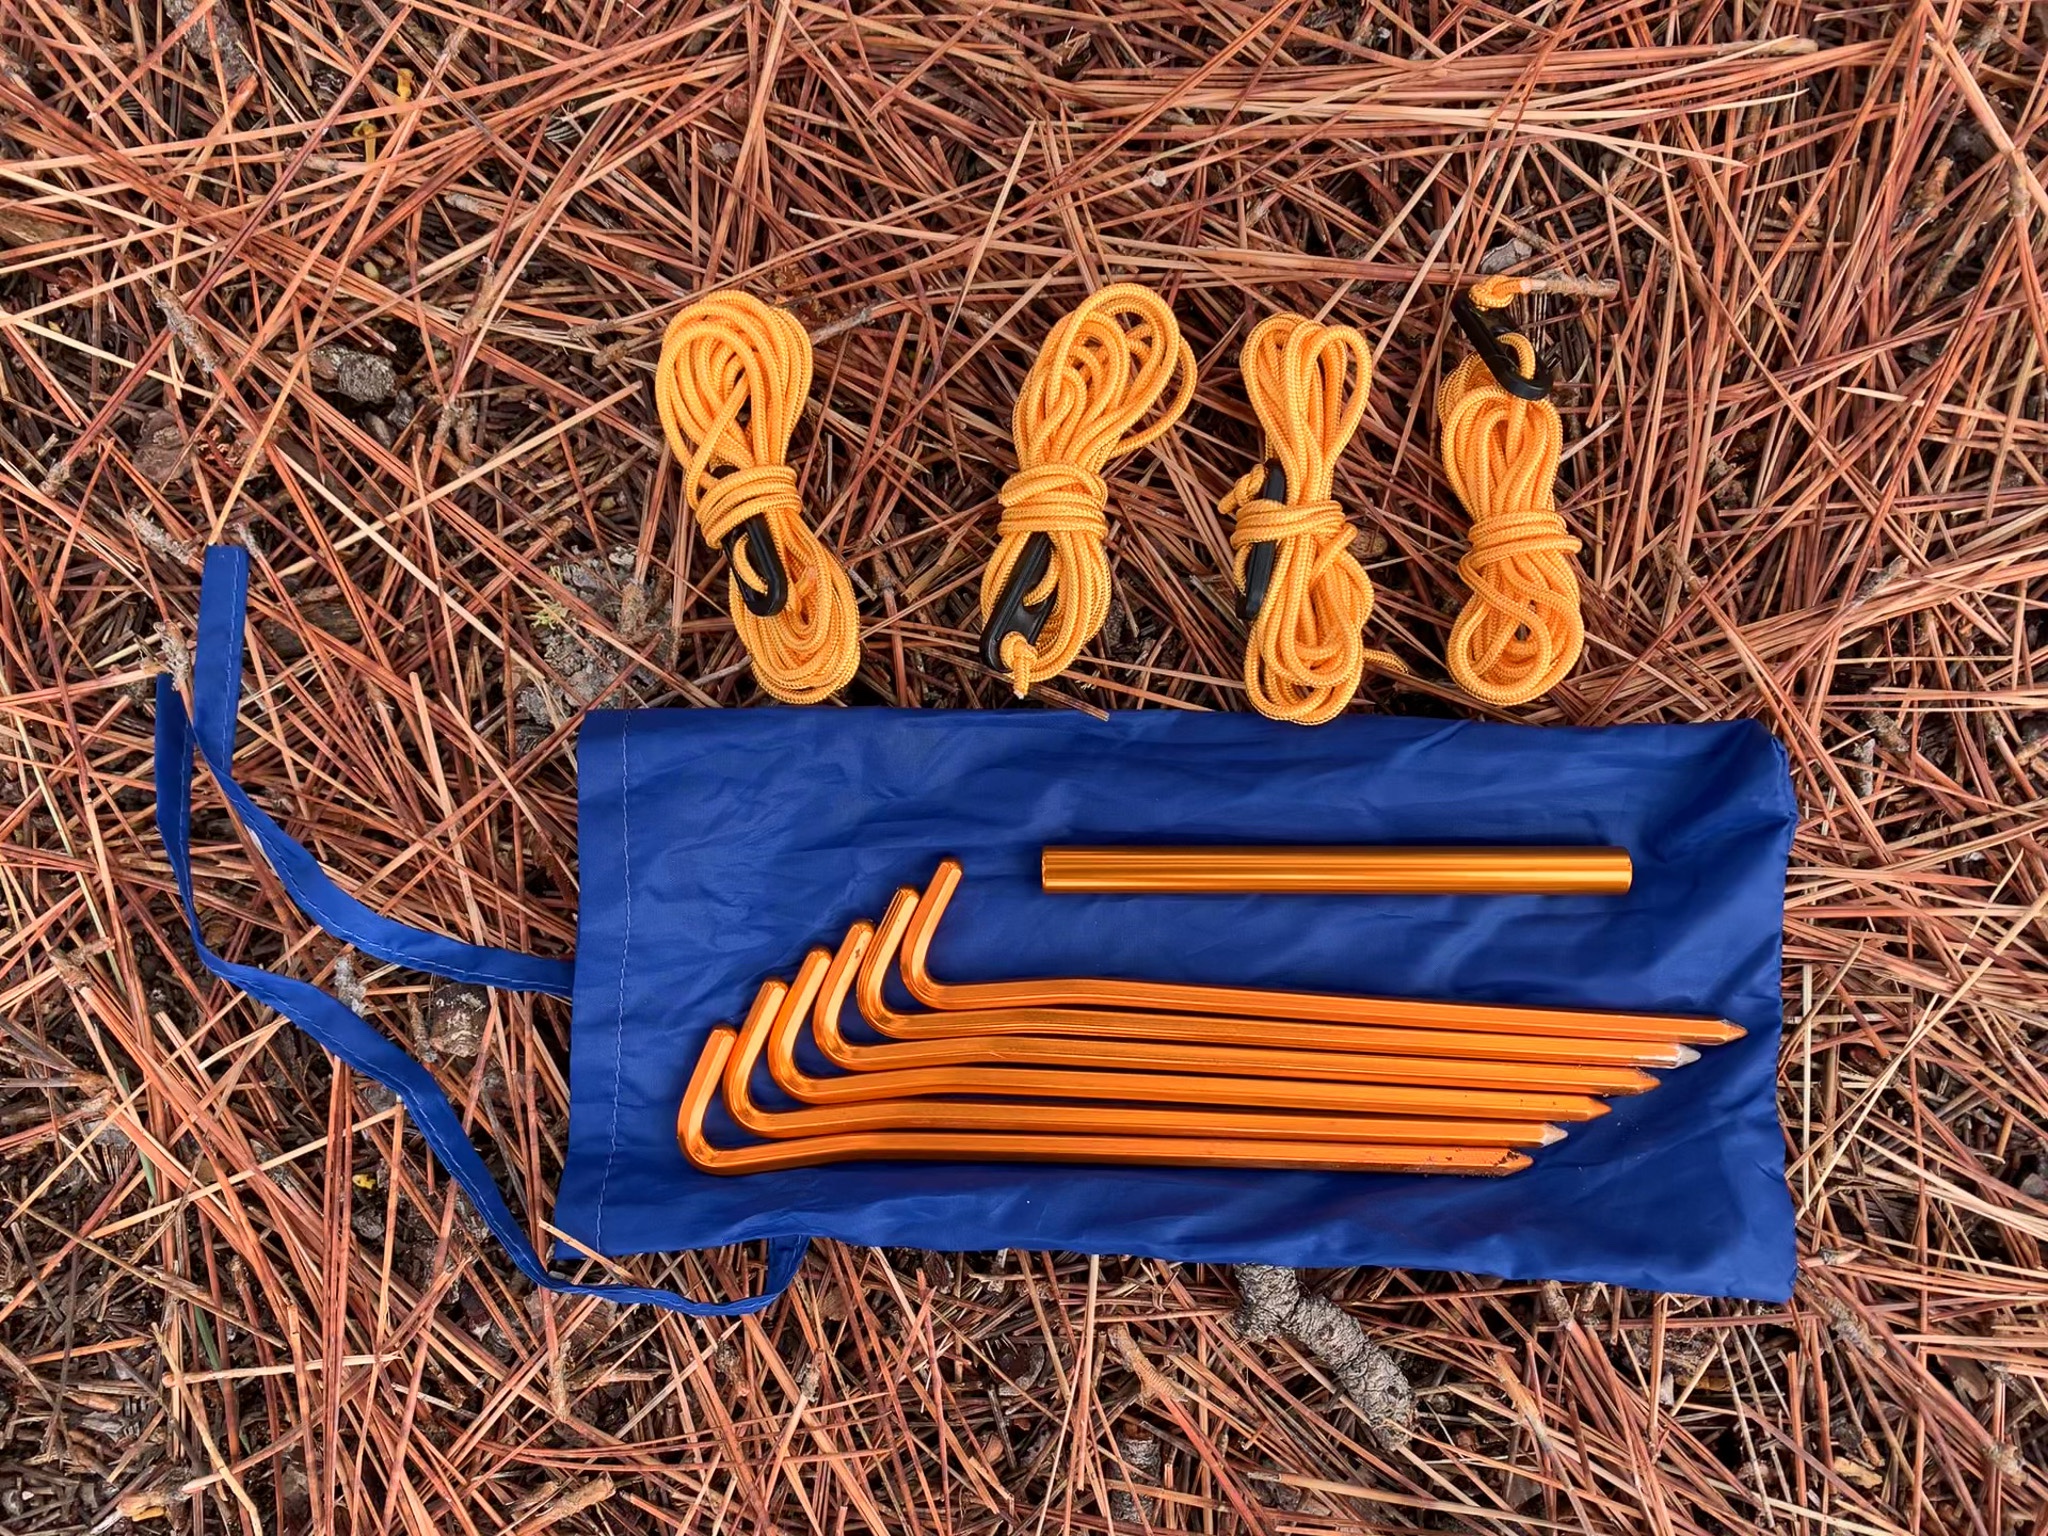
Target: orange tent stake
{"x": 1381, "y": 1084}
{"x": 1025, "y": 1147}
{"x": 777, "y": 1018}
{"x": 1276, "y": 1034}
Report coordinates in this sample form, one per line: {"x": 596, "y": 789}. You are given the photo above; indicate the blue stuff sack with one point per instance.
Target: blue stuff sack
{"x": 717, "y": 847}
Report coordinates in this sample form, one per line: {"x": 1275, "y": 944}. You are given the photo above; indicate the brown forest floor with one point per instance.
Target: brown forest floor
{"x": 375, "y": 286}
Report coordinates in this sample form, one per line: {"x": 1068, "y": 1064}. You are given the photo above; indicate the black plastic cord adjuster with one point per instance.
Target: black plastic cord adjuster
{"x": 1484, "y": 329}
{"x": 1258, "y": 560}
{"x": 766, "y": 561}
{"x": 1012, "y": 615}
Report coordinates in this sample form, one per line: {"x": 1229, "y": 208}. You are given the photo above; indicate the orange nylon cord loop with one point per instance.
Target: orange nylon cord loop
{"x": 1304, "y": 655}
{"x": 1522, "y": 631}
{"x": 1103, "y": 368}
{"x": 731, "y": 383}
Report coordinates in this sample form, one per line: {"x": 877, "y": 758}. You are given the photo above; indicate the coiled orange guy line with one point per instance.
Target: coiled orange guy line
{"x": 1521, "y": 631}
{"x": 1304, "y": 655}
{"x": 731, "y": 383}
{"x": 1101, "y": 371}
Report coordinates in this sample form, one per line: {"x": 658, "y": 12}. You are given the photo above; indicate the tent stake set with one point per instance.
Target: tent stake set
{"x": 1126, "y": 1071}
{"x": 1090, "y": 1112}
{"x": 1095, "y": 1074}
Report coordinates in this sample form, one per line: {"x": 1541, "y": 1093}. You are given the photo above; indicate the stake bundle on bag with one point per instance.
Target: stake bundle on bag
{"x": 1091, "y": 1091}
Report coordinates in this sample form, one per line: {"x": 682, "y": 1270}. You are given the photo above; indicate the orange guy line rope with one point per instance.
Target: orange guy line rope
{"x": 731, "y": 383}
{"x": 1304, "y": 655}
{"x": 1522, "y": 631}
{"x": 1095, "y": 379}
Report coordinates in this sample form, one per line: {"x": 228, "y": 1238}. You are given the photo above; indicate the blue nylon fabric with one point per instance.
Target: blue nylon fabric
{"x": 716, "y": 847}
{"x": 217, "y": 686}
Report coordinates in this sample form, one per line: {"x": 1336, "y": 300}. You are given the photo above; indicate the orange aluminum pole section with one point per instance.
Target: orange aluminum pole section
{"x": 1098, "y": 992}
{"x": 777, "y": 1017}
{"x": 1517, "y": 1089}
{"x": 1200, "y": 1029}
{"x": 1023, "y": 1147}
{"x": 1341, "y": 871}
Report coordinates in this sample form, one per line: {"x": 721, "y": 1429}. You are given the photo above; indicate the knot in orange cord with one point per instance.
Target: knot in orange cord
{"x": 1101, "y": 371}
{"x": 1305, "y": 653}
{"x": 1054, "y": 498}
{"x": 731, "y": 383}
{"x": 1522, "y": 631}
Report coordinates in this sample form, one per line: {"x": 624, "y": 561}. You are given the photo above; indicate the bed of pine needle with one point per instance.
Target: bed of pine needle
{"x": 375, "y": 287}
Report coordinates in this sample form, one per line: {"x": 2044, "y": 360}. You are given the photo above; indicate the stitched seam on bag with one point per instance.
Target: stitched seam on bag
{"x": 625, "y": 947}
